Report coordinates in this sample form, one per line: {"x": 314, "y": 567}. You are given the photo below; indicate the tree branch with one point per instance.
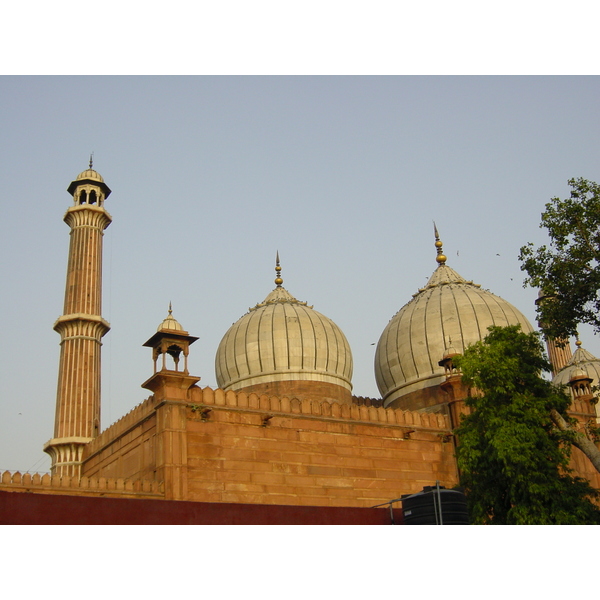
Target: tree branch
{"x": 579, "y": 439}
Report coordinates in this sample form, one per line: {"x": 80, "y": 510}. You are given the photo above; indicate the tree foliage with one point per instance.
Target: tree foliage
{"x": 568, "y": 270}
{"x": 513, "y": 461}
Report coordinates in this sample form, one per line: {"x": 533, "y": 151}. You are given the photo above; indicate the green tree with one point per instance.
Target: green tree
{"x": 513, "y": 460}
{"x": 568, "y": 270}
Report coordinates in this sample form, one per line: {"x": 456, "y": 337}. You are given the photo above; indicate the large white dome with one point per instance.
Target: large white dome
{"x": 448, "y": 311}
{"x": 281, "y": 340}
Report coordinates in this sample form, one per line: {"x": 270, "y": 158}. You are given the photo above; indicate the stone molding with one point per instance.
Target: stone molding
{"x": 82, "y": 326}
{"x": 88, "y": 215}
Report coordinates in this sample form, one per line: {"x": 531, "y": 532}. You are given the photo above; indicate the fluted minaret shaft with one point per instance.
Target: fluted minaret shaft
{"x": 81, "y": 328}
{"x": 83, "y": 293}
{"x": 559, "y": 354}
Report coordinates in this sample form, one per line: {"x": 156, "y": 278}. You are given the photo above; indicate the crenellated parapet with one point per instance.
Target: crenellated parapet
{"x": 133, "y": 418}
{"x": 321, "y": 409}
{"x": 79, "y": 486}
{"x": 363, "y": 401}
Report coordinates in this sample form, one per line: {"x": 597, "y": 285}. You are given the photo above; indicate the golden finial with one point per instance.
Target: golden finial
{"x": 441, "y": 257}
{"x": 170, "y": 309}
{"x": 278, "y": 279}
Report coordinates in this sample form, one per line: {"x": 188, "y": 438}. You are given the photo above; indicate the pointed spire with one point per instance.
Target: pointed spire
{"x": 91, "y": 160}
{"x": 440, "y": 258}
{"x": 278, "y": 279}
{"x": 170, "y": 318}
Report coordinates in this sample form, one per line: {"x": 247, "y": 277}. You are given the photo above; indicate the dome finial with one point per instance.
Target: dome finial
{"x": 170, "y": 309}
{"x": 440, "y": 258}
{"x": 91, "y": 160}
{"x": 278, "y": 279}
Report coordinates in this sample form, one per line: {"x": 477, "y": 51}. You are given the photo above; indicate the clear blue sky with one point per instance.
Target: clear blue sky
{"x": 212, "y": 175}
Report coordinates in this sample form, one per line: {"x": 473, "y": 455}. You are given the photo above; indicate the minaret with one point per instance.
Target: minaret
{"x": 81, "y": 327}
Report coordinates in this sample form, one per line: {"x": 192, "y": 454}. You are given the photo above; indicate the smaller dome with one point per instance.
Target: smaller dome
{"x": 579, "y": 373}
{"x": 582, "y": 363}
{"x": 90, "y": 174}
{"x": 450, "y": 351}
{"x": 170, "y": 323}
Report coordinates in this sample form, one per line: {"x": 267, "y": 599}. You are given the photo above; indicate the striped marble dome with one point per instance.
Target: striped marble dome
{"x": 283, "y": 339}
{"x": 448, "y": 311}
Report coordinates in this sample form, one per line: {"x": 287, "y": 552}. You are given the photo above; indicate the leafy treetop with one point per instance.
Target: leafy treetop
{"x": 513, "y": 461}
{"x": 568, "y": 271}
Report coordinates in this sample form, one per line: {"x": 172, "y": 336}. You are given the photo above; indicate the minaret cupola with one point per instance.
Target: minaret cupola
{"x": 168, "y": 344}
{"x": 89, "y": 188}
{"x": 170, "y": 340}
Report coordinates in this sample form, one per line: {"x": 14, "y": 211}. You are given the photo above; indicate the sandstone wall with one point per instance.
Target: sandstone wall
{"x": 251, "y": 449}
{"x": 127, "y": 448}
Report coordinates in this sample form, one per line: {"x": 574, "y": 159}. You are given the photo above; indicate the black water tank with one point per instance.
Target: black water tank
{"x": 435, "y": 506}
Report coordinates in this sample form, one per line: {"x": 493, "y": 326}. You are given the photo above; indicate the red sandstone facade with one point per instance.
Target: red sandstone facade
{"x": 190, "y": 444}
{"x": 212, "y": 446}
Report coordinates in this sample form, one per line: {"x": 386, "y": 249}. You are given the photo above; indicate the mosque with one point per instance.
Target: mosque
{"x": 283, "y": 428}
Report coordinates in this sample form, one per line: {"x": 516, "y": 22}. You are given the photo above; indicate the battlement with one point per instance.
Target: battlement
{"x": 318, "y": 408}
{"x": 363, "y": 401}
{"x": 84, "y": 486}
{"x": 135, "y": 416}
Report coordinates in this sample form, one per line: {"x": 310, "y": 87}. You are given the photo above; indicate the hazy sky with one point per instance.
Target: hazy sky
{"x": 210, "y": 176}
